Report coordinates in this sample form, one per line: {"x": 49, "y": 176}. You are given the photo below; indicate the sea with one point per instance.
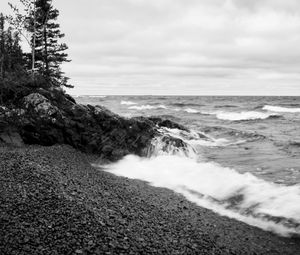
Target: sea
{"x": 243, "y": 156}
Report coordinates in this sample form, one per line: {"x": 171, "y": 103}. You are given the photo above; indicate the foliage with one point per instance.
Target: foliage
{"x": 50, "y": 54}
{"x": 11, "y": 63}
{"x": 21, "y": 73}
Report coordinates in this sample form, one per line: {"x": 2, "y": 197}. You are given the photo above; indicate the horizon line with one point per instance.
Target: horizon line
{"x": 77, "y": 95}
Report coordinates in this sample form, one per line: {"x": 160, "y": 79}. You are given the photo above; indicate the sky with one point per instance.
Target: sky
{"x": 181, "y": 47}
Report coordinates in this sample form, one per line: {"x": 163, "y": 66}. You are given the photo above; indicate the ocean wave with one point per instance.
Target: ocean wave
{"x": 234, "y": 135}
{"x": 91, "y": 96}
{"x": 291, "y": 104}
{"x": 251, "y": 115}
{"x": 185, "y": 104}
{"x": 226, "y": 106}
{"x": 245, "y": 197}
{"x": 294, "y": 143}
{"x": 196, "y": 138}
{"x": 128, "y": 103}
{"x": 270, "y": 206}
{"x": 99, "y": 96}
{"x": 191, "y": 110}
{"x": 147, "y": 107}
{"x": 280, "y": 109}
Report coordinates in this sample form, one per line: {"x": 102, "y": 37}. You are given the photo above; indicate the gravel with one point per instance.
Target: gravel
{"x": 52, "y": 201}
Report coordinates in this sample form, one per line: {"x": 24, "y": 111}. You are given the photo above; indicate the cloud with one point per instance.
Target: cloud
{"x": 182, "y": 43}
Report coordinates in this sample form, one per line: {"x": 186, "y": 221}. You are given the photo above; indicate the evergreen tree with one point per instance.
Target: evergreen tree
{"x": 2, "y": 53}
{"x": 12, "y": 72}
{"x": 36, "y": 22}
{"x": 2, "y": 44}
{"x": 23, "y": 22}
{"x": 49, "y": 52}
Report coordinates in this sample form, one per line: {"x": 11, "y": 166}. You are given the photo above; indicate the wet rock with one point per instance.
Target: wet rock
{"x": 50, "y": 117}
{"x": 173, "y": 141}
{"x": 167, "y": 123}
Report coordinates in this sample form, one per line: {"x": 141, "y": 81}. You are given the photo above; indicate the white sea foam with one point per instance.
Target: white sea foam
{"x": 280, "y": 109}
{"x": 191, "y": 110}
{"x": 147, "y": 107}
{"x": 250, "y": 115}
{"x": 195, "y": 139}
{"x": 159, "y": 148}
{"x": 214, "y": 187}
{"x": 128, "y": 103}
{"x": 235, "y": 116}
{"x": 245, "y": 197}
{"x": 220, "y": 142}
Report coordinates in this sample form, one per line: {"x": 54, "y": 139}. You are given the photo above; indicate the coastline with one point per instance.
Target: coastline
{"x": 53, "y": 201}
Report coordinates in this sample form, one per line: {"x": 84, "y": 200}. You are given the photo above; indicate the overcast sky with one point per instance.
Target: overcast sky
{"x": 195, "y": 47}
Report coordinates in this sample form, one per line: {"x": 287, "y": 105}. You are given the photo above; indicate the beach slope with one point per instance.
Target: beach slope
{"x": 52, "y": 201}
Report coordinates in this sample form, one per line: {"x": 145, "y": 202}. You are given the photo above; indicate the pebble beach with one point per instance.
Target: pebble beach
{"x": 52, "y": 201}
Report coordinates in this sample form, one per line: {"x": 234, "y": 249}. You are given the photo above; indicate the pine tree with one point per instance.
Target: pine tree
{"x": 24, "y": 21}
{"x": 2, "y": 43}
{"x": 49, "y": 52}
{"x": 36, "y": 22}
{"x": 12, "y": 72}
{"x": 2, "y": 53}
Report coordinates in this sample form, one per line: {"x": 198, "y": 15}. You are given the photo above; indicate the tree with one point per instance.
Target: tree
{"x": 12, "y": 72}
{"x": 2, "y": 53}
{"x": 38, "y": 19}
{"x": 50, "y": 54}
{"x": 26, "y": 23}
{"x": 2, "y": 49}
{"x": 10, "y": 49}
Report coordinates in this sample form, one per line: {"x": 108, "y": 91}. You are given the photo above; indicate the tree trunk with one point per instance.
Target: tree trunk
{"x": 1, "y": 79}
{"x": 2, "y": 52}
{"x": 2, "y": 46}
{"x": 46, "y": 52}
{"x": 34, "y": 39}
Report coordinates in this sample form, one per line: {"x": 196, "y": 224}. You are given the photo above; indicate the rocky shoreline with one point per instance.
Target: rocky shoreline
{"x": 48, "y": 117}
{"x": 52, "y": 201}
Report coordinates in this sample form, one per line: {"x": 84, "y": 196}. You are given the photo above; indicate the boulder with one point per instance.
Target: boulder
{"x": 49, "y": 117}
{"x": 11, "y": 136}
{"x": 38, "y": 103}
{"x": 45, "y": 120}
{"x": 161, "y": 122}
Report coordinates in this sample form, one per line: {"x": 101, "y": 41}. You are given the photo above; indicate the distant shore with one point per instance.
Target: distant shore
{"x": 54, "y": 202}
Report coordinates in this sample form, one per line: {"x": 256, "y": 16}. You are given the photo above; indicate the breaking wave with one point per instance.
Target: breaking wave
{"x": 245, "y": 197}
{"x": 147, "y": 107}
{"x": 191, "y": 110}
{"x": 235, "y": 116}
{"x": 128, "y": 103}
{"x": 280, "y": 109}
{"x": 195, "y": 139}
{"x": 251, "y": 115}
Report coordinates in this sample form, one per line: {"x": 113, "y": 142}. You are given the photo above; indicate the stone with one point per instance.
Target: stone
{"x": 161, "y": 122}
{"x": 11, "y": 136}
{"x": 40, "y": 104}
{"x": 49, "y": 117}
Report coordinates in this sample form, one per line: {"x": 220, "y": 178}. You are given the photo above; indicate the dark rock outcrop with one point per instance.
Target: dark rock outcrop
{"x": 167, "y": 123}
{"x": 52, "y": 117}
{"x": 11, "y": 136}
